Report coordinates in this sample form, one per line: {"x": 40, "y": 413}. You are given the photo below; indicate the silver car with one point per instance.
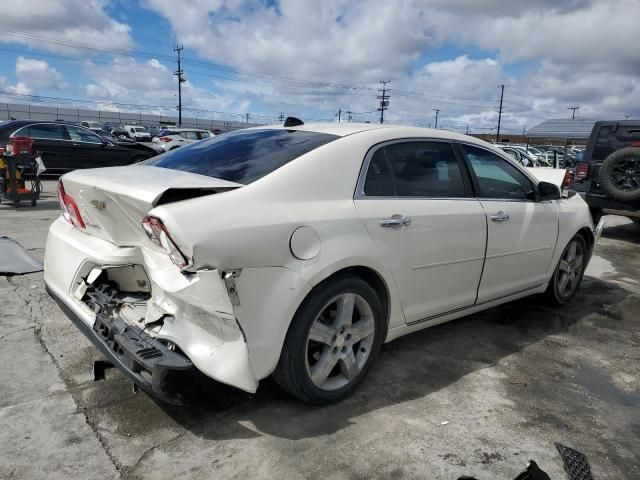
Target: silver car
{"x": 176, "y": 137}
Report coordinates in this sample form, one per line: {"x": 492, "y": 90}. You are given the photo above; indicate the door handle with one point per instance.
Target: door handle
{"x": 499, "y": 217}
{"x": 396, "y": 220}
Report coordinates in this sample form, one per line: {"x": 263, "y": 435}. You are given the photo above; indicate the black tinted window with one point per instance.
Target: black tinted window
{"x": 425, "y": 169}
{"x": 496, "y": 177}
{"x": 242, "y": 156}
{"x": 49, "y": 131}
{"x": 378, "y": 181}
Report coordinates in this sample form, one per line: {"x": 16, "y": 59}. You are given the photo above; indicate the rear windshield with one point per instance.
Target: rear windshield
{"x": 242, "y": 156}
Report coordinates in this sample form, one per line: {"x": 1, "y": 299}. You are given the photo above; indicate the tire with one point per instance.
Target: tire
{"x": 620, "y": 174}
{"x": 568, "y": 274}
{"x": 344, "y": 356}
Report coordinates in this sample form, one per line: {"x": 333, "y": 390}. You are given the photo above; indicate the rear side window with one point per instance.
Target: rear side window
{"x": 48, "y": 131}
{"x": 378, "y": 182}
{"x": 415, "y": 169}
{"x": 243, "y": 156}
{"x": 614, "y": 137}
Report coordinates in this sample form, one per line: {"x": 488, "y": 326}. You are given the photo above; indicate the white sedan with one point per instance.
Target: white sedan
{"x": 297, "y": 251}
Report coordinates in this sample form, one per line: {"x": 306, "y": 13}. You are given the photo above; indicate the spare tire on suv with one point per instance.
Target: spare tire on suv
{"x": 620, "y": 174}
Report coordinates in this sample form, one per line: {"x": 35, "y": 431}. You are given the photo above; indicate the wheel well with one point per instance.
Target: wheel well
{"x": 373, "y": 278}
{"x": 587, "y": 234}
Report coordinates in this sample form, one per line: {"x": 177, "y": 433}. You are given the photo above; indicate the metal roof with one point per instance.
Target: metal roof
{"x": 568, "y": 128}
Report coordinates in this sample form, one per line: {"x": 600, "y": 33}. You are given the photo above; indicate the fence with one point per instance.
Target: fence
{"x": 16, "y": 111}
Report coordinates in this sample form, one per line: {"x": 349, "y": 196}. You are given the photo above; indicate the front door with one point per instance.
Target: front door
{"x": 416, "y": 204}
{"x": 92, "y": 151}
{"x": 522, "y": 232}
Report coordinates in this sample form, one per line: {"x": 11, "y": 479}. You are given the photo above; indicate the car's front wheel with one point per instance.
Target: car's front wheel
{"x": 333, "y": 339}
{"x": 569, "y": 272}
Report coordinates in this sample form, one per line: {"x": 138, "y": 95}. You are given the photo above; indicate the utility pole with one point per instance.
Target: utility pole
{"x": 180, "y": 74}
{"x": 573, "y": 113}
{"x": 384, "y": 99}
{"x": 339, "y": 115}
{"x": 626, "y": 117}
{"x": 437, "y": 110}
{"x": 467, "y": 129}
{"x": 246, "y": 116}
{"x": 281, "y": 117}
{"x": 524, "y": 129}
{"x": 500, "y": 112}
{"x": 349, "y": 113}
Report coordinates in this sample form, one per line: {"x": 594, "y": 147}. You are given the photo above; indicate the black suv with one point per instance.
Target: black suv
{"x": 608, "y": 177}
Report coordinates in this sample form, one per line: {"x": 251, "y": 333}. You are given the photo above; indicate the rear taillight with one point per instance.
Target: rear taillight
{"x": 165, "y": 139}
{"x": 69, "y": 208}
{"x": 635, "y": 144}
{"x": 582, "y": 171}
{"x": 568, "y": 179}
{"x": 159, "y": 236}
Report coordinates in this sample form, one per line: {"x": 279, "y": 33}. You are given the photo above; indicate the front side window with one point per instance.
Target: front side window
{"x": 78, "y": 134}
{"x": 243, "y": 156}
{"x": 496, "y": 177}
{"x": 44, "y": 131}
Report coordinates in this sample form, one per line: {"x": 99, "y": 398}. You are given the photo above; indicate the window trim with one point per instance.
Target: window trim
{"x": 510, "y": 161}
{"x": 359, "y": 193}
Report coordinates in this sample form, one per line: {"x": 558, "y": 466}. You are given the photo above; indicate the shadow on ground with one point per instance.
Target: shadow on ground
{"x": 629, "y": 232}
{"x": 408, "y": 368}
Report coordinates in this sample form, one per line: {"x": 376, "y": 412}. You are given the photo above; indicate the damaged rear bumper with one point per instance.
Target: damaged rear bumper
{"x": 187, "y": 321}
{"x": 145, "y": 360}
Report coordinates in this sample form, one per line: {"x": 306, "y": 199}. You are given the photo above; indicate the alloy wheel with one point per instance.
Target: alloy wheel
{"x": 570, "y": 268}
{"x": 625, "y": 175}
{"x": 340, "y": 341}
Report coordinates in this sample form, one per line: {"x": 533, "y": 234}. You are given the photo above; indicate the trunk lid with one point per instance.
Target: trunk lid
{"x": 113, "y": 201}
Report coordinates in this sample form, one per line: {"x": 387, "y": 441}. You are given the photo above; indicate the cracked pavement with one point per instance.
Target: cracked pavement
{"x": 479, "y": 396}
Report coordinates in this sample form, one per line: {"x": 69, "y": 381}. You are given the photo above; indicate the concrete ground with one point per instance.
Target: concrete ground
{"x": 478, "y": 396}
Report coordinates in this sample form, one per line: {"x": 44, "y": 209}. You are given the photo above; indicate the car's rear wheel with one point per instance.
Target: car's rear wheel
{"x": 569, "y": 272}
{"x": 333, "y": 339}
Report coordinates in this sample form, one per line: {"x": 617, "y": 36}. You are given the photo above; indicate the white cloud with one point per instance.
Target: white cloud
{"x": 575, "y": 51}
{"x": 68, "y": 22}
{"x": 152, "y": 84}
{"x": 38, "y": 74}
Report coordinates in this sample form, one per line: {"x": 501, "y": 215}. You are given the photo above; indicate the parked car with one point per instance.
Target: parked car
{"x": 177, "y": 137}
{"x": 137, "y": 133}
{"x": 608, "y": 177}
{"x": 297, "y": 251}
{"x": 93, "y": 125}
{"x": 65, "y": 147}
{"x": 519, "y": 156}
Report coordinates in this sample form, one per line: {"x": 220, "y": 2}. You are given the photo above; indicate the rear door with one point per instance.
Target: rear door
{"x": 50, "y": 141}
{"x": 416, "y": 203}
{"x": 522, "y": 232}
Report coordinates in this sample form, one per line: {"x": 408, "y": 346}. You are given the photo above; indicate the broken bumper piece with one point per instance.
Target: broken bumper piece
{"x": 145, "y": 360}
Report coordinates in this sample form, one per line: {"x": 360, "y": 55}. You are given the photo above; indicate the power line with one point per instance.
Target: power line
{"x": 384, "y": 99}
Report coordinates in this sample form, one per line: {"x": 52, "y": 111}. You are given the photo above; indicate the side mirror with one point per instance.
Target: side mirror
{"x": 547, "y": 191}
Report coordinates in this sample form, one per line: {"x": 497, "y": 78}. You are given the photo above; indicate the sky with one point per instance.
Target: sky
{"x": 310, "y": 58}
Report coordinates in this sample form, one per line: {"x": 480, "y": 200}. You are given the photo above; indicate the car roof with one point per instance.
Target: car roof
{"x": 182, "y": 129}
{"x": 344, "y": 129}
